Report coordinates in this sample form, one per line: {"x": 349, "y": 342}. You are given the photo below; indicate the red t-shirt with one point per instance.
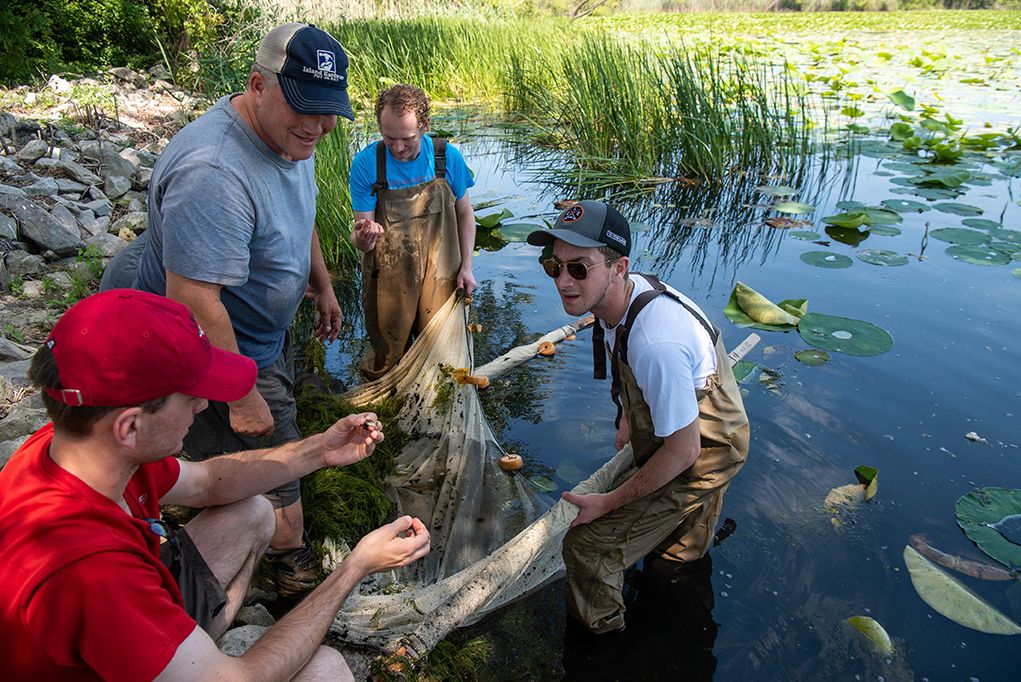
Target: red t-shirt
{"x": 83, "y": 595}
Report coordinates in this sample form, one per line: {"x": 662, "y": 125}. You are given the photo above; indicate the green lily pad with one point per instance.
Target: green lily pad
{"x": 949, "y": 597}
{"x": 749, "y": 308}
{"x": 543, "y": 484}
{"x": 777, "y": 191}
{"x": 991, "y": 518}
{"x": 878, "y": 216}
{"x": 981, "y": 223}
{"x": 882, "y": 257}
{"x": 844, "y": 335}
{"x": 805, "y": 235}
{"x": 850, "y": 206}
{"x": 849, "y": 219}
{"x": 517, "y": 232}
{"x": 959, "y": 209}
{"x": 932, "y": 193}
{"x": 874, "y": 632}
{"x": 742, "y": 369}
{"x": 1006, "y": 248}
{"x": 885, "y": 230}
{"x": 846, "y": 235}
{"x": 826, "y": 259}
{"x": 948, "y": 179}
{"x": 571, "y": 473}
{"x": 793, "y": 207}
{"x": 493, "y": 219}
{"x": 977, "y": 254}
{"x": 1016, "y": 272}
{"x": 905, "y": 205}
{"x": 902, "y": 99}
{"x": 813, "y": 357}
{"x": 960, "y": 235}
{"x": 868, "y": 477}
{"x": 1005, "y": 235}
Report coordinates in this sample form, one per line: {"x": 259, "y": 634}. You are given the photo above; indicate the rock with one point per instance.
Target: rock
{"x": 39, "y": 227}
{"x": 67, "y": 185}
{"x": 33, "y": 151}
{"x": 136, "y": 221}
{"x": 5, "y": 279}
{"x": 25, "y": 418}
{"x": 10, "y": 190}
{"x": 10, "y": 166}
{"x": 255, "y": 614}
{"x": 237, "y": 641}
{"x": 14, "y": 375}
{"x": 45, "y": 187}
{"x": 61, "y": 280}
{"x": 63, "y": 216}
{"x": 9, "y": 350}
{"x": 7, "y": 123}
{"x": 116, "y": 186}
{"x": 29, "y": 318}
{"x": 33, "y": 288}
{"x": 91, "y": 224}
{"x": 100, "y": 207}
{"x": 127, "y": 234}
{"x": 106, "y": 244}
{"x": 63, "y": 154}
{"x": 110, "y": 160}
{"x": 8, "y": 228}
{"x": 21, "y": 263}
{"x": 142, "y": 178}
{"x": 96, "y": 194}
{"x": 58, "y": 84}
{"x": 162, "y": 85}
{"x": 139, "y": 157}
{"x": 8, "y": 448}
{"x": 46, "y": 163}
{"x": 80, "y": 173}
{"x": 128, "y": 76}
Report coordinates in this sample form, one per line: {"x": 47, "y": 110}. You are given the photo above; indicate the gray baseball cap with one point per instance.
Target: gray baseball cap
{"x": 588, "y": 224}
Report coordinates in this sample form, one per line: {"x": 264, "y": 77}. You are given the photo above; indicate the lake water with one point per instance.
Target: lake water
{"x": 781, "y": 586}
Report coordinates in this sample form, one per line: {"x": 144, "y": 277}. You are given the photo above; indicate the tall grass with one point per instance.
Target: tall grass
{"x": 333, "y": 205}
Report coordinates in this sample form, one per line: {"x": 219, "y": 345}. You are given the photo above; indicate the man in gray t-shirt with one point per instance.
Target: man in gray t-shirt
{"x": 232, "y": 205}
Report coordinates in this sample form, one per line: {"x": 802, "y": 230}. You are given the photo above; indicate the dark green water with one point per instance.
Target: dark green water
{"x": 782, "y": 585}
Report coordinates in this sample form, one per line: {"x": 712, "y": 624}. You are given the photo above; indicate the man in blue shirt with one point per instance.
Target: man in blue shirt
{"x": 414, "y": 224}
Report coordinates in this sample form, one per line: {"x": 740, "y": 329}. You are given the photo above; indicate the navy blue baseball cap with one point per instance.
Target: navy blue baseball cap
{"x": 588, "y": 224}
{"x": 311, "y": 67}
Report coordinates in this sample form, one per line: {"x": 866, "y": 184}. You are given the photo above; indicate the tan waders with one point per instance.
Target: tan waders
{"x": 413, "y": 269}
{"x": 676, "y": 521}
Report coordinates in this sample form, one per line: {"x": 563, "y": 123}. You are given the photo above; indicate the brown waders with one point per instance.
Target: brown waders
{"x": 413, "y": 269}
{"x": 676, "y": 521}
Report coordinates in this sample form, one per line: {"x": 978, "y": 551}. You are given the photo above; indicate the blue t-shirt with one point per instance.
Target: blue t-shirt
{"x": 224, "y": 208}
{"x": 400, "y": 174}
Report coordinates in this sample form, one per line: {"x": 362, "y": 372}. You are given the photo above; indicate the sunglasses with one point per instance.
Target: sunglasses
{"x": 554, "y": 266}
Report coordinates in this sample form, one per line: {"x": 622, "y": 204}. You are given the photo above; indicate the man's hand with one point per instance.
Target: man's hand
{"x": 465, "y": 279}
{"x": 250, "y": 416}
{"x": 351, "y": 439}
{"x": 590, "y": 507}
{"x": 330, "y": 318}
{"x": 623, "y": 433}
{"x": 391, "y": 546}
{"x": 365, "y": 235}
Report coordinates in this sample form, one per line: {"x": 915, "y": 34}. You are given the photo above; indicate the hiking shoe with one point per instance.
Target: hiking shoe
{"x": 297, "y": 571}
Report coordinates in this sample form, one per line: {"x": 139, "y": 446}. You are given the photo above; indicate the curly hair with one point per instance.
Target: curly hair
{"x": 404, "y": 97}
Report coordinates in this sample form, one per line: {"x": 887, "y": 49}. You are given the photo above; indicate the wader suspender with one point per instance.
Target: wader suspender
{"x": 439, "y": 152}
{"x": 623, "y": 331}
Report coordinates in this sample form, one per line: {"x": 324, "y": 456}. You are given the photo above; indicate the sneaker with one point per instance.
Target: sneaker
{"x": 297, "y": 571}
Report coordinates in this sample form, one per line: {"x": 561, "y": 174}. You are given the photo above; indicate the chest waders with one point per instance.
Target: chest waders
{"x": 677, "y": 521}
{"x": 412, "y": 271}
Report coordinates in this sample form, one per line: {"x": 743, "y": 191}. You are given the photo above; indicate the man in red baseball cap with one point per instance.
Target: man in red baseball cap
{"x": 93, "y": 584}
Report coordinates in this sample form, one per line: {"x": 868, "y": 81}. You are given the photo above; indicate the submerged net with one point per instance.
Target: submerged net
{"x": 493, "y": 538}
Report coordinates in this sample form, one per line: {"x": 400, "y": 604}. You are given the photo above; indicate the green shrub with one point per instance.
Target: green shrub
{"x": 25, "y": 42}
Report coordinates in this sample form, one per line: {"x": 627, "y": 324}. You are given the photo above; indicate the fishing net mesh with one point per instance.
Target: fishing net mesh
{"x": 493, "y": 538}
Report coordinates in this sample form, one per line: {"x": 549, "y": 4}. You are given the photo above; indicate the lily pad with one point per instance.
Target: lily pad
{"x": 991, "y": 518}
{"x": 847, "y": 235}
{"x": 981, "y": 223}
{"x": 742, "y": 369}
{"x": 879, "y": 216}
{"x": 949, "y": 179}
{"x": 873, "y": 632}
{"x": 850, "y": 206}
{"x": 749, "y": 308}
{"x": 885, "y": 230}
{"x": 932, "y": 193}
{"x": 570, "y": 472}
{"x": 1005, "y": 235}
{"x": 805, "y": 235}
{"x": 517, "y": 232}
{"x": 543, "y": 484}
{"x": 959, "y": 209}
{"x": 844, "y": 335}
{"x": 1006, "y": 248}
{"x": 951, "y": 598}
{"x": 882, "y": 257}
{"x": 977, "y": 255}
{"x": 777, "y": 191}
{"x": 793, "y": 207}
{"x": 493, "y": 219}
{"x": 902, "y": 99}
{"x": 868, "y": 477}
{"x": 905, "y": 206}
{"x": 826, "y": 259}
{"x": 1016, "y": 272}
{"x": 849, "y": 219}
{"x": 960, "y": 235}
{"x": 813, "y": 357}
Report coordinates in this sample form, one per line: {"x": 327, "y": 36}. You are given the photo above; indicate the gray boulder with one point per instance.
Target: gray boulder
{"x": 142, "y": 178}
{"x": 9, "y": 350}
{"x": 116, "y": 186}
{"x": 22, "y": 263}
{"x": 106, "y": 244}
{"x": 26, "y": 417}
{"x": 65, "y": 218}
{"x": 69, "y": 186}
{"x": 11, "y": 190}
{"x": 256, "y": 614}
{"x": 92, "y": 225}
{"x": 39, "y": 227}
{"x": 136, "y": 221}
{"x": 46, "y": 187}
{"x": 34, "y": 150}
{"x": 109, "y": 158}
{"x": 5, "y": 279}
{"x": 8, "y": 228}
{"x": 80, "y": 173}
{"x": 100, "y": 207}
{"x": 10, "y": 166}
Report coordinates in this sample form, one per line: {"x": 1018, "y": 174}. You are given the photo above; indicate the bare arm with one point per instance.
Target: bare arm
{"x": 250, "y": 415}
{"x": 288, "y": 646}
{"x": 678, "y": 452}
{"x": 330, "y": 318}
{"x": 367, "y": 231}
{"x": 236, "y": 476}
{"x": 466, "y": 239}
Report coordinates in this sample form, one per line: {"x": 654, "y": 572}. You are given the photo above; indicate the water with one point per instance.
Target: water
{"x": 785, "y": 581}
